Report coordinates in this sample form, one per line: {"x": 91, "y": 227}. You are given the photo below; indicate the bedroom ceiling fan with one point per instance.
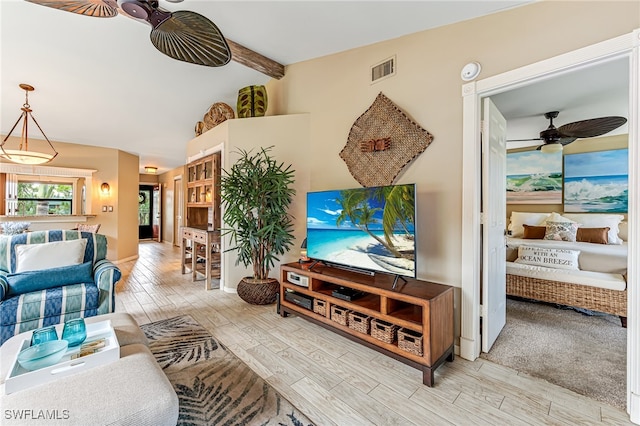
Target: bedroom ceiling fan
{"x": 183, "y": 35}
{"x": 555, "y": 138}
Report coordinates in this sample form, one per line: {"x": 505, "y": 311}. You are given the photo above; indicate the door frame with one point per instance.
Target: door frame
{"x": 157, "y": 207}
{"x": 146, "y": 187}
{"x": 178, "y": 209}
{"x": 625, "y": 46}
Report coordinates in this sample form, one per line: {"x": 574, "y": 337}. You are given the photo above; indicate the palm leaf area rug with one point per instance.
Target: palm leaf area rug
{"x": 214, "y": 386}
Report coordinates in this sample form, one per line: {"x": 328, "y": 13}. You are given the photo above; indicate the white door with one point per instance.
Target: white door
{"x": 494, "y": 199}
{"x": 156, "y": 213}
{"x": 178, "y": 208}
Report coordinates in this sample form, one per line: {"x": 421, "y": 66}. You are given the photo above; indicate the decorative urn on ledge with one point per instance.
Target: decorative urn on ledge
{"x": 252, "y": 101}
{"x": 256, "y": 193}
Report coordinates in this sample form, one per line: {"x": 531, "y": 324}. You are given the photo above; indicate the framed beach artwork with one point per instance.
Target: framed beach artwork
{"x": 534, "y": 177}
{"x": 597, "y": 181}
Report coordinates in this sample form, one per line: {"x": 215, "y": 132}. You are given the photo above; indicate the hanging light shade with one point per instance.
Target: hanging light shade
{"x": 551, "y": 148}
{"x": 23, "y": 155}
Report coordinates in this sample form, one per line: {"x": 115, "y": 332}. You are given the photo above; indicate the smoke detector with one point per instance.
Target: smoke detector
{"x": 470, "y": 71}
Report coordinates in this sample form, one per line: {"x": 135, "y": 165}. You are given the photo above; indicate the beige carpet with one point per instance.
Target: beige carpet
{"x": 581, "y": 352}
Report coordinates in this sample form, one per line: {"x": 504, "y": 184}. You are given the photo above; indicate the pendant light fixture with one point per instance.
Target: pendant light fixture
{"x": 23, "y": 155}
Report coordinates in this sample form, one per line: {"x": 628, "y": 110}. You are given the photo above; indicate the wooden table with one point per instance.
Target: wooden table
{"x": 204, "y": 246}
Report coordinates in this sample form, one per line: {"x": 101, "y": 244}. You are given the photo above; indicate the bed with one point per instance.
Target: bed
{"x": 589, "y": 275}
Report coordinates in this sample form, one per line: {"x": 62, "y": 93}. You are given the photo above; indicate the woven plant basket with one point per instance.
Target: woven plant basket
{"x": 258, "y": 292}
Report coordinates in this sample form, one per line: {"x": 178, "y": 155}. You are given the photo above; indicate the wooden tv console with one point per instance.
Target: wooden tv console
{"x": 422, "y": 307}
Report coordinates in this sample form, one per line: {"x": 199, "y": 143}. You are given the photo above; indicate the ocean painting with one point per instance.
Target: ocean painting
{"x": 367, "y": 228}
{"x": 597, "y": 181}
{"x": 534, "y": 177}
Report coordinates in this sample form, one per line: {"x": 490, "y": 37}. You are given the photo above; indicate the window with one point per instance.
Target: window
{"x": 59, "y": 190}
{"x": 43, "y": 198}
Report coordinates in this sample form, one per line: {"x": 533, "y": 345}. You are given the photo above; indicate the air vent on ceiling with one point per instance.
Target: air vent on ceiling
{"x": 384, "y": 69}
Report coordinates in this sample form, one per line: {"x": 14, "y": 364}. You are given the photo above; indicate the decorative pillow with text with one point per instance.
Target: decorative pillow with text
{"x": 550, "y": 258}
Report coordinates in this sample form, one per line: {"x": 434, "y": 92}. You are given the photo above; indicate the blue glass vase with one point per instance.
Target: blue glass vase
{"x": 74, "y": 331}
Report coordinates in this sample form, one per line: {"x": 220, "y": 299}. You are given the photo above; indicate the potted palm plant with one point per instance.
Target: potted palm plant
{"x": 256, "y": 193}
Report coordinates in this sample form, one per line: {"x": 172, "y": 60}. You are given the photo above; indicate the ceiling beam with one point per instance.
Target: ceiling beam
{"x": 256, "y": 61}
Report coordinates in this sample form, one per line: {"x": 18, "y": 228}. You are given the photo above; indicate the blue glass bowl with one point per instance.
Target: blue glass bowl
{"x": 43, "y": 354}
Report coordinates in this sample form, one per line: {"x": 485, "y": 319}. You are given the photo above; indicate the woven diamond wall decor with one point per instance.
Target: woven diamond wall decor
{"x": 382, "y": 142}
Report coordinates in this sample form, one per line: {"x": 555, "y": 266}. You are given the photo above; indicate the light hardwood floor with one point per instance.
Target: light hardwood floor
{"x": 338, "y": 382}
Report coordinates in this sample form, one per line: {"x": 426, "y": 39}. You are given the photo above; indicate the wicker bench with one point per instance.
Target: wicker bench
{"x": 582, "y": 296}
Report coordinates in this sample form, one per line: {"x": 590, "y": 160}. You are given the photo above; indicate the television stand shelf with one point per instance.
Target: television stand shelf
{"x": 419, "y": 313}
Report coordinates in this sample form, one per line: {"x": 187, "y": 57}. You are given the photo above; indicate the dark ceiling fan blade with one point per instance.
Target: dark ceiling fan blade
{"x": 566, "y": 141}
{"x": 592, "y": 127}
{"x": 190, "y": 37}
{"x": 95, "y": 8}
{"x": 524, "y": 140}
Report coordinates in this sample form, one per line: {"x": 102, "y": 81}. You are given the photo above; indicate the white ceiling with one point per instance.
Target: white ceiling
{"x": 101, "y": 82}
{"x": 596, "y": 91}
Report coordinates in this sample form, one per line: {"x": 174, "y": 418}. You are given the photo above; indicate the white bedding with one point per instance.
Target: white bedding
{"x": 606, "y": 258}
{"x": 593, "y": 279}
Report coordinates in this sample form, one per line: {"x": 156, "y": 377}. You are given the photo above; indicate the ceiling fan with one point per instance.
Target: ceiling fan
{"x": 555, "y": 138}
{"x": 183, "y": 35}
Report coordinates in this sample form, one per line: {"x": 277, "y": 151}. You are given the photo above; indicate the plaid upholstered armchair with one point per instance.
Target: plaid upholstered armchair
{"x": 47, "y": 277}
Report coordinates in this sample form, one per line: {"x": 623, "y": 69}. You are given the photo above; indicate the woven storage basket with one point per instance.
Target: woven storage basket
{"x": 359, "y": 322}
{"x": 384, "y": 331}
{"x": 320, "y": 307}
{"x": 339, "y": 314}
{"x": 410, "y": 341}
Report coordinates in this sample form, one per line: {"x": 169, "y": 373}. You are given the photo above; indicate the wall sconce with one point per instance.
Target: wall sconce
{"x": 151, "y": 169}
{"x": 105, "y": 189}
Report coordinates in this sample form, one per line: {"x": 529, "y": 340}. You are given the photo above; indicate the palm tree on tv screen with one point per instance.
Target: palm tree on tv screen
{"x": 398, "y": 209}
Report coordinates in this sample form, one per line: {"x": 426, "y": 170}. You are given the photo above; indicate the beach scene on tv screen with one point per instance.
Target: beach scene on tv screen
{"x": 368, "y": 228}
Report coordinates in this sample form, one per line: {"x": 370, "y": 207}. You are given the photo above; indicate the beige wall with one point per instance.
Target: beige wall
{"x": 126, "y": 207}
{"x": 112, "y": 166}
{"x": 144, "y": 178}
{"x": 335, "y": 90}
{"x": 290, "y": 137}
{"x": 168, "y": 203}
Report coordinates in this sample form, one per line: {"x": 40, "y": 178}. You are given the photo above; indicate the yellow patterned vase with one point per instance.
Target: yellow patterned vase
{"x": 252, "y": 101}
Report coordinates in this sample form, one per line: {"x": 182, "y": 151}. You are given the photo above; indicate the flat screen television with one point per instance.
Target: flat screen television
{"x": 369, "y": 229}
